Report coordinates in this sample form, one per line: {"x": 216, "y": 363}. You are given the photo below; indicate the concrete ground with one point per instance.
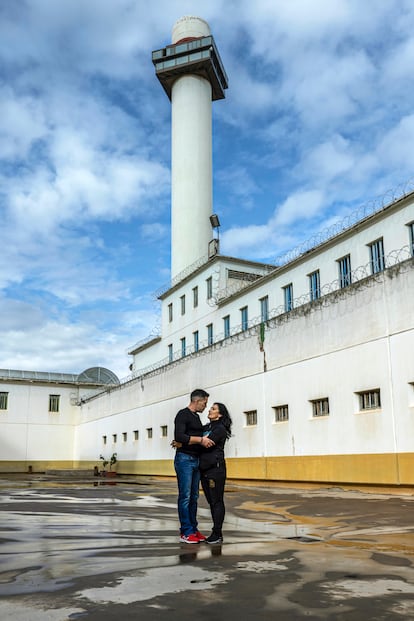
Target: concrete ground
{"x": 104, "y": 550}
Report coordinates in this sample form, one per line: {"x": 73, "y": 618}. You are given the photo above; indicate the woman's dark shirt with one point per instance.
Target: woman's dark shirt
{"x": 213, "y": 458}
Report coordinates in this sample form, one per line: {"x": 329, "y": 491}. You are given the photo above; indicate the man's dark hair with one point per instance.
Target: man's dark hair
{"x": 198, "y": 393}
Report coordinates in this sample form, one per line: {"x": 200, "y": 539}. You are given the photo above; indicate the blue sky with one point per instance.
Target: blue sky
{"x": 318, "y": 120}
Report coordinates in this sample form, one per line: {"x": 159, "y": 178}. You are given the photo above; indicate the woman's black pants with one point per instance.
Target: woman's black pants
{"x": 213, "y": 489}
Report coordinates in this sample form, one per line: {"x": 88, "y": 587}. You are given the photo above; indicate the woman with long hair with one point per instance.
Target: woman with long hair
{"x": 213, "y": 467}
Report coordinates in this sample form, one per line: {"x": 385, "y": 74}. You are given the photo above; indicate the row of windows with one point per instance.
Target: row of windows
{"x": 135, "y": 435}
{"x": 209, "y": 295}
{"x": 54, "y": 402}
{"x": 377, "y": 264}
{"x": 320, "y": 407}
{"x": 368, "y": 400}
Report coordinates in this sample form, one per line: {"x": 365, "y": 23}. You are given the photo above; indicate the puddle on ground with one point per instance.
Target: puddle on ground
{"x": 155, "y": 582}
{"x": 344, "y": 589}
{"x": 64, "y": 554}
{"x": 47, "y": 551}
{"x": 259, "y": 567}
{"x": 20, "y": 612}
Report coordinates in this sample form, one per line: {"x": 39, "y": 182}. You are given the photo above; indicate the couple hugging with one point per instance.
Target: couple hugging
{"x": 200, "y": 457}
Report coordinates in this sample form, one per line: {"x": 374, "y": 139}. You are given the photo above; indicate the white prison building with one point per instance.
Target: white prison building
{"x": 312, "y": 355}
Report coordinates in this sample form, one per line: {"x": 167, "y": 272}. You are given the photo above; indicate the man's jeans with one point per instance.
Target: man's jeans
{"x": 188, "y": 479}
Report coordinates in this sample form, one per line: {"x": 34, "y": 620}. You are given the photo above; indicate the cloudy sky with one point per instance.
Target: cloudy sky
{"x": 318, "y": 119}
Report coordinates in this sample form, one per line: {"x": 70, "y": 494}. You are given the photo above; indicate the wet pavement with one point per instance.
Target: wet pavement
{"x": 83, "y": 549}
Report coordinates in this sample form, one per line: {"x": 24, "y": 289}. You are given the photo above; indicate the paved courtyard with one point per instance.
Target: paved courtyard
{"x": 102, "y": 550}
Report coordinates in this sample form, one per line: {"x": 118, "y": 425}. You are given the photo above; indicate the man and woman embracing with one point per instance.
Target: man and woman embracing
{"x": 200, "y": 458}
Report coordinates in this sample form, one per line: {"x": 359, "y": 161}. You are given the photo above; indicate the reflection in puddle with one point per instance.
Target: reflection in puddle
{"x": 202, "y": 552}
{"x": 50, "y": 550}
{"x": 259, "y": 567}
{"x": 155, "y": 582}
{"x": 344, "y": 589}
{"x": 60, "y": 537}
{"x": 67, "y": 551}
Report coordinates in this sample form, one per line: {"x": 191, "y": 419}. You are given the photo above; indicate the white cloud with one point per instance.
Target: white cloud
{"x": 270, "y": 239}
{"x": 22, "y": 122}
{"x": 239, "y": 241}
{"x": 63, "y": 347}
{"x": 326, "y": 89}
{"x": 82, "y": 178}
{"x": 318, "y": 118}
{"x": 34, "y": 340}
{"x": 396, "y": 148}
{"x": 239, "y": 183}
{"x": 300, "y": 206}
{"x": 398, "y": 65}
{"x": 328, "y": 160}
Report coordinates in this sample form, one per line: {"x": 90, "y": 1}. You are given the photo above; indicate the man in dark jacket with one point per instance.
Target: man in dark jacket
{"x": 188, "y": 432}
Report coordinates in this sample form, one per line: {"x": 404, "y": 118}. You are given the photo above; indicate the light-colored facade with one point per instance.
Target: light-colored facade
{"x": 327, "y": 396}
{"x": 39, "y": 414}
{"x": 312, "y": 356}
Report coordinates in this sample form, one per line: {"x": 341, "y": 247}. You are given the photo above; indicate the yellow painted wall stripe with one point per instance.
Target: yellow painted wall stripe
{"x": 369, "y": 469}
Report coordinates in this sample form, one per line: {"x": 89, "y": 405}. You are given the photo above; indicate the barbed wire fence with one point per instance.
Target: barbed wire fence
{"x": 373, "y": 206}
{"x": 365, "y": 210}
{"x": 396, "y": 261}
{"x": 302, "y": 304}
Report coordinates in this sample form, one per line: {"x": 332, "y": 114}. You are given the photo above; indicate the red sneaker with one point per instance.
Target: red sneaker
{"x": 200, "y": 536}
{"x": 189, "y": 538}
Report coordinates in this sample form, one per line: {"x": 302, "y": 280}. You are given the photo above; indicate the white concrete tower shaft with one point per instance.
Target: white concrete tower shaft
{"x": 191, "y": 167}
{"x": 192, "y": 74}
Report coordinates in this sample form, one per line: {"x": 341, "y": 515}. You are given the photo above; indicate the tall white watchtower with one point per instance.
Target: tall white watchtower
{"x": 191, "y": 73}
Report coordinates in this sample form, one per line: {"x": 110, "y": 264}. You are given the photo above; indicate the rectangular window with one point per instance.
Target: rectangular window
{"x": 124, "y": 436}
{"x": 411, "y": 237}
{"x": 376, "y": 255}
{"x": 226, "y": 325}
{"x": 149, "y": 433}
{"x": 288, "y": 297}
{"x": 170, "y": 353}
{"x": 244, "y": 312}
{"x": 183, "y": 347}
{"x": 314, "y": 285}
{"x": 369, "y": 399}
{"x": 182, "y": 303}
{"x": 4, "y": 397}
{"x": 54, "y": 403}
{"x": 210, "y": 335}
{"x": 164, "y": 431}
{"x": 264, "y": 308}
{"x": 136, "y": 434}
{"x": 196, "y": 341}
{"x": 209, "y": 283}
{"x": 114, "y": 438}
{"x": 320, "y": 407}
{"x": 344, "y": 269}
{"x": 251, "y": 418}
{"x": 281, "y": 413}
{"x": 170, "y": 312}
{"x": 104, "y": 439}
{"x": 195, "y": 297}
